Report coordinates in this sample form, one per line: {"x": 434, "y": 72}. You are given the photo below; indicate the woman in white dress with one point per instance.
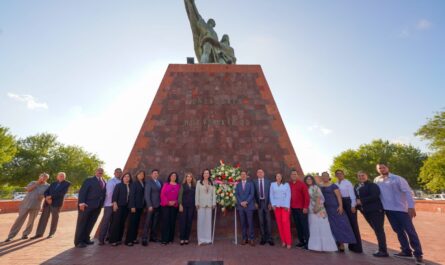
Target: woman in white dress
{"x": 205, "y": 200}
{"x": 320, "y": 234}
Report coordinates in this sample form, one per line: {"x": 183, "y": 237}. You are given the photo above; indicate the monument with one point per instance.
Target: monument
{"x": 212, "y": 111}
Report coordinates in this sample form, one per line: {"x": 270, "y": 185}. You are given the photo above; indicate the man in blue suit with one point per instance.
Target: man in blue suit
{"x": 91, "y": 199}
{"x": 262, "y": 203}
{"x": 245, "y": 204}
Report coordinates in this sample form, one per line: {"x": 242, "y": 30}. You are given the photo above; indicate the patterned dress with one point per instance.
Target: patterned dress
{"x": 321, "y": 238}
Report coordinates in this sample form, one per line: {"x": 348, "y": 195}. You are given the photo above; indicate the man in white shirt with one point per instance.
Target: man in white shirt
{"x": 108, "y": 206}
{"x": 349, "y": 203}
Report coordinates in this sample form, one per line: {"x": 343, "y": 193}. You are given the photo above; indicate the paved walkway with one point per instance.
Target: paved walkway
{"x": 59, "y": 250}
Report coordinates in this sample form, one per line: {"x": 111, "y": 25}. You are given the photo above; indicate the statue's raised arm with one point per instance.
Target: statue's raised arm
{"x": 206, "y": 43}
{"x": 192, "y": 11}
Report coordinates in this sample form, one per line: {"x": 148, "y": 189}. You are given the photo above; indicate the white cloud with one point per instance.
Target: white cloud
{"x": 319, "y": 128}
{"x": 423, "y": 24}
{"x": 31, "y": 102}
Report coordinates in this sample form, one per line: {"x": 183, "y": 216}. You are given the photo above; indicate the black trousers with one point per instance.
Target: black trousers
{"x": 376, "y": 220}
{"x": 151, "y": 224}
{"x": 117, "y": 226}
{"x": 168, "y": 223}
{"x": 301, "y": 224}
{"x": 265, "y": 221}
{"x": 85, "y": 223}
{"x": 357, "y": 247}
{"x": 185, "y": 222}
{"x": 133, "y": 225}
{"x": 44, "y": 218}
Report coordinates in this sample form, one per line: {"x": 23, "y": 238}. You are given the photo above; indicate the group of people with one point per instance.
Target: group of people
{"x": 324, "y": 213}
{"x": 53, "y": 194}
{"x": 126, "y": 198}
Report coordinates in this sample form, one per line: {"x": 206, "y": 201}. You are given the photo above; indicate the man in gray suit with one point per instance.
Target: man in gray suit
{"x": 152, "y": 196}
{"x": 30, "y": 206}
{"x": 262, "y": 203}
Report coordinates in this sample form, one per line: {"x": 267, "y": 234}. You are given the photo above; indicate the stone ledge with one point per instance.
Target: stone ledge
{"x": 430, "y": 206}
{"x": 10, "y": 206}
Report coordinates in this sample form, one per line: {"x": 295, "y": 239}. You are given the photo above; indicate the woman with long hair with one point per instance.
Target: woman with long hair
{"x": 119, "y": 200}
{"x": 169, "y": 208}
{"x": 205, "y": 200}
{"x": 136, "y": 204}
{"x": 186, "y": 207}
{"x": 280, "y": 199}
{"x": 320, "y": 235}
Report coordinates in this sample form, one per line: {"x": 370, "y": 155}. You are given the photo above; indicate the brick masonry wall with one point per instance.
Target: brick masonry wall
{"x": 430, "y": 206}
{"x": 207, "y": 112}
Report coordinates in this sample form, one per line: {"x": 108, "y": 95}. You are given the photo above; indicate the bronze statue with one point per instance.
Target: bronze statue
{"x": 207, "y": 47}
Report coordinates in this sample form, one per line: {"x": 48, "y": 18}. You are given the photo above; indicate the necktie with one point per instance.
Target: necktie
{"x": 102, "y": 185}
{"x": 158, "y": 184}
{"x": 244, "y": 185}
{"x": 261, "y": 189}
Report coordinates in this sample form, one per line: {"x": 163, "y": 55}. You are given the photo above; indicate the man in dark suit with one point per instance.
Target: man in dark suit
{"x": 369, "y": 203}
{"x": 262, "y": 203}
{"x": 54, "y": 197}
{"x": 91, "y": 199}
{"x": 152, "y": 200}
{"x": 245, "y": 204}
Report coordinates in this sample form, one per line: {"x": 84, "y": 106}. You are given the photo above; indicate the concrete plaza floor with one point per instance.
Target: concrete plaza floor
{"x": 60, "y": 249}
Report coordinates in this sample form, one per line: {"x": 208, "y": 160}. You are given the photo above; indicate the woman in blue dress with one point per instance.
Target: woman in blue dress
{"x": 340, "y": 226}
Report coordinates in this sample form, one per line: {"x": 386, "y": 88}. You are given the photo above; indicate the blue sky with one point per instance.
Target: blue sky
{"x": 342, "y": 72}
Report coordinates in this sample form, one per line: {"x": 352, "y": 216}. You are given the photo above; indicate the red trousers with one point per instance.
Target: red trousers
{"x": 283, "y": 221}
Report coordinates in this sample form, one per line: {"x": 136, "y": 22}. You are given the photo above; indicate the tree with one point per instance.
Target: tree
{"x": 404, "y": 160}
{"x": 43, "y": 153}
{"x": 75, "y": 162}
{"x": 432, "y": 174}
{"x": 434, "y": 131}
{"x": 8, "y": 146}
{"x": 33, "y": 154}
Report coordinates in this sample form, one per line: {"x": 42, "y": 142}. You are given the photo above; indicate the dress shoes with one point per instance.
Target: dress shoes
{"x": 50, "y": 236}
{"x": 252, "y": 243}
{"x": 35, "y": 237}
{"x": 300, "y": 245}
{"x": 403, "y": 255}
{"x": 419, "y": 260}
{"x": 262, "y": 242}
{"x": 8, "y": 239}
{"x": 81, "y": 245}
{"x": 24, "y": 237}
{"x": 89, "y": 242}
{"x": 144, "y": 243}
{"x": 271, "y": 243}
{"x": 380, "y": 254}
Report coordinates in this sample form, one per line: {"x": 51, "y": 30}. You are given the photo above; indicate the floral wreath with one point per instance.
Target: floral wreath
{"x": 225, "y": 178}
